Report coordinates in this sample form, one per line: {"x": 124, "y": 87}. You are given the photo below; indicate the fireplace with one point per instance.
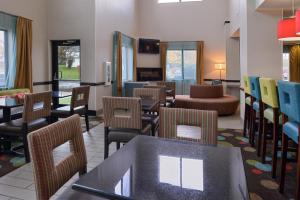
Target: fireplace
{"x": 149, "y": 74}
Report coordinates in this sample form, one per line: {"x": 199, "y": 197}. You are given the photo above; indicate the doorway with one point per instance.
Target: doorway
{"x": 66, "y": 67}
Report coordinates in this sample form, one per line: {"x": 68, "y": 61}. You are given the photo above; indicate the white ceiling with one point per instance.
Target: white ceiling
{"x": 277, "y": 5}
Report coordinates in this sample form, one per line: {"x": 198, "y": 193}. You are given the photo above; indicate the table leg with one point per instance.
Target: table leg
{"x": 6, "y": 114}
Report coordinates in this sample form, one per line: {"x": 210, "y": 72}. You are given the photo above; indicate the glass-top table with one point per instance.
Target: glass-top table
{"x": 148, "y": 168}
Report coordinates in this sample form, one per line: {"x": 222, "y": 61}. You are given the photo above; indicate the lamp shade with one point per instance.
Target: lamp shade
{"x": 298, "y": 22}
{"x": 220, "y": 66}
{"x": 287, "y": 30}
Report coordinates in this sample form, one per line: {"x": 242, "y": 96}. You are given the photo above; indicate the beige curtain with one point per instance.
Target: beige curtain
{"x": 200, "y": 63}
{"x": 24, "y": 54}
{"x": 163, "y": 58}
{"x": 295, "y": 64}
{"x": 134, "y": 44}
{"x": 119, "y": 64}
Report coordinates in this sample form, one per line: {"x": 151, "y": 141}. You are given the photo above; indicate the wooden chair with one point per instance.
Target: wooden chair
{"x": 36, "y": 114}
{"x": 122, "y": 121}
{"x": 170, "y": 85}
{"x": 271, "y": 112}
{"x": 289, "y": 98}
{"x": 48, "y": 176}
{"x": 79, "y": 105}
{"x": 152, "y": 93}
{"x": 248, "y": 106}
{"x": 257, "y": 107}
{"x": 189, "y": 124}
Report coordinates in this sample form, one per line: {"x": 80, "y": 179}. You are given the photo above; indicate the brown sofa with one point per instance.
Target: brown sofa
{"x": 208, "y": 97}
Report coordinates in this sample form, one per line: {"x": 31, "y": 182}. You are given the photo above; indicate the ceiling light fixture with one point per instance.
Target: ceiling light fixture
{"x": 286, "y": 30}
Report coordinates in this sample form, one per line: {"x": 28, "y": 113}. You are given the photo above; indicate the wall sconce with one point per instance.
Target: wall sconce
{"x": 220, "y": 67}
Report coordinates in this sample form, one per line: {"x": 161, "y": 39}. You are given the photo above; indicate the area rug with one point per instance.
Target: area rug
{"x": 9, "y": 162}
{"x": 261, "y": 186}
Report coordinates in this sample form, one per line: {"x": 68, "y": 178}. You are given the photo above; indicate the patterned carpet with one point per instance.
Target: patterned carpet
{"x": 9, "y": 162}
{"x": 260, "y": 184}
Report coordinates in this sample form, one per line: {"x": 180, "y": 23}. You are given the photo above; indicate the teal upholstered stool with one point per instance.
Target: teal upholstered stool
{"x": 256, "y": 108}
{"x": 271, "y": 115}
{"x": 248, "y": 106}
{"x": 289, "y": 98}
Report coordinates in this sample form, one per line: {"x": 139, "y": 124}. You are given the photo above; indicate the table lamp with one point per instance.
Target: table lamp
{"x": 220, "y": 67}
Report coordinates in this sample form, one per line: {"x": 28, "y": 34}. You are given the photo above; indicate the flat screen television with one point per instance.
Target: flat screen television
{"x": 149, "y": 46}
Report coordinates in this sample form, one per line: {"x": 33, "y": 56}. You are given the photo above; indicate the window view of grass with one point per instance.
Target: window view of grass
{"x": 65, "y": 101}
{"x": 66, "y": 73}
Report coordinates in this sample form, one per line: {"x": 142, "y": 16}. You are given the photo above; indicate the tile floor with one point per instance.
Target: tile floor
{"x": 19, "y": 184}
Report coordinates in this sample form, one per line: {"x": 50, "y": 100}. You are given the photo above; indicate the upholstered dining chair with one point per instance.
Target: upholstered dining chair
{"x": 289, "y": 99}
{"x": 248, "y": 105}
{"x": 256, "y": 108}
{"x": 271, "y": 111}
{"x": 152, "y": 93}
{"x": 122, "y": 121}
{"x": 189, "y": 124}
{"x": 163, "y": 100}
{"x": 49, "y": 176}
{"x": 36, "y": 114}
{"x": 170, "y": 85}
{"x": 79, "y": 105}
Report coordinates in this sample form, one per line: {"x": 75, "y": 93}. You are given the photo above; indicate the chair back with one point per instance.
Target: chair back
{"x": 170, "y": 118}
{"x": 36, "y": 106}
{"x": 247, "y": 88}
{"x": 80, "y": 96}
{"x": 162, "y": 92}
{"x": 48, "y": 176}
{"x": 151, "y": 93}
{"x": 255, "y": 88}
{"x": 170, "y": 85}
{"x": 289, "y": 99}
{"x": 122, "y": 112}
{"x": 269, "y": 94}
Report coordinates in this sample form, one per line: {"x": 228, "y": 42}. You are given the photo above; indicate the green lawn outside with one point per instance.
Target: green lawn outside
{"x": 68, "y": 73}
{"x": 65, "y": 101}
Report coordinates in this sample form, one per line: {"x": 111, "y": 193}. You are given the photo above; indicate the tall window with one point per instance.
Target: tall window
{"x": 3, "y": 58}
{"x": 181, "y": 67}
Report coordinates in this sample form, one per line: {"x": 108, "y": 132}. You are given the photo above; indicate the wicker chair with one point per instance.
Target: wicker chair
{"x": 36, "y": 114}
{"x": 152, "y": 93}
{"x": 122, "y": 120}
{"x": 176, "y": 123}
{"x": 79, "y": 105}
{"x": 48, "y": 176}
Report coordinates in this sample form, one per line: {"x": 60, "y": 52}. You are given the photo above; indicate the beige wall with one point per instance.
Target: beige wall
{"x": 185, "y": 22}
{"x": 111, "y": 15}
{"x": 35, "y": 10}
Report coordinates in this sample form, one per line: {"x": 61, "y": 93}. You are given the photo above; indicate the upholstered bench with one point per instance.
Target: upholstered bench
{"x": 207, "y": 97}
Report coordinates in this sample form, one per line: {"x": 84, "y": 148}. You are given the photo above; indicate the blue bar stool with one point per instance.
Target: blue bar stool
{"x": 289, "y": 98}
{"x": 248, "y": 105}
{"x": 257, "y": 107}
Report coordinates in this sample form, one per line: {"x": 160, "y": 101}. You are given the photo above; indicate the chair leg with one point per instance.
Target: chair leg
{"x": 87, "y": 122}
{"x": 246, "y": 120}
{"x": 264, "y": 140}
{"x": 26, "y": 150}
{"x": 260, "y": 130}
{"x": 106, "y": 144}
{"x": 283, "y": 161}
{"x": 118, "y": 145}
{"x": 252, "y": 127}
{"x": 83, "y": 171}
{"x": 275, "y": 149}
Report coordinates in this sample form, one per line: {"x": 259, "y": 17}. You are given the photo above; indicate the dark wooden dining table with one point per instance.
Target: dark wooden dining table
{"x": 8, "y": 103}
{"x": 149, "y": 168}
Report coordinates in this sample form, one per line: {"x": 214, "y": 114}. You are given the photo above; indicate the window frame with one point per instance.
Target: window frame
{"x": 182, "y": 62}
